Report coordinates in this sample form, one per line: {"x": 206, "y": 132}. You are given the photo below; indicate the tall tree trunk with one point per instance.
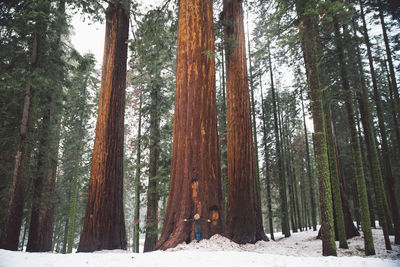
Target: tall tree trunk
{"x": 373, "y": 159}
{"x": 340, "y": 231}
{"x": 253, "y": 111}
{"x": 12, "y": 226}
{"x": 244, "y": 217}
{"x": 281, "y": 174}
{"x": 267, "y": 171}
{"x": 391, "y": 185}
{"x": 223, "y": 139}
{"x": 378, "y": 185}
{"x": 104, "y": 225}
{"x": 309, "y": 171}
{"x": 288, "y": 165}
{"x": 44, "y": 182}
{"x": 47, "y": 213}
{"x": 152, "y": 194}
{"x": 65, "y": 237}
{"x": 308, "y": 34}
{"x": 73, "y": 203}
{"x": 195, "y": 183}
{"x": 392, "y": 73}
{"x": 358, "y": 166}
{"x": 137, "y": 180}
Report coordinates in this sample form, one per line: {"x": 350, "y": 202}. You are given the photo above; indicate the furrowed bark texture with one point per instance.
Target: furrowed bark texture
{"x": 244, "y": 218}
{"x": 104, "y": 226}
{"x": 13, "y": 222}
{"x": 308, "y": 35}
{"x": 195, "y": 182}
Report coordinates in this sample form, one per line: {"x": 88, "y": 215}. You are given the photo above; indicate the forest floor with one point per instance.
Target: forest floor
{"x": 300, "y": 250}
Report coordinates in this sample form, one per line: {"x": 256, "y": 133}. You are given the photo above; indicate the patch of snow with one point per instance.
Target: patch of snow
{"x": 300, "y": 250}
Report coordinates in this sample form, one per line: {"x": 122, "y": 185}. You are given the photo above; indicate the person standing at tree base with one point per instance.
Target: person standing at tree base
{"x": 197, "y": 225}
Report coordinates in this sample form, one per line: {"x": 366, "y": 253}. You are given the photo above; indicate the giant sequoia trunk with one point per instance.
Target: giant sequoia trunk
{"x": 244, "y": 218}
{"x": 104, "y": 226}
{"x": 308, "y": 34}
{"x": 12, "y": 226}
{"x": 195, "y": 182}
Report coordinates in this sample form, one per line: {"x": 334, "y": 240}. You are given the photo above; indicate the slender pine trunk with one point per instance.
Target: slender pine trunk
{"x": 309, "y": 171}
{"x": 267, "y": 171}
{"x": 391, "y": 183}
{"x": 13, "y": 222}
{"x": 309, "y": 34}
{"x": 282, "y": 184}
{"x": 378, "y": 183}
{"x": 137, "y": 180}
{"x": 152, "y": 188}
{"x": 340, "y": 230}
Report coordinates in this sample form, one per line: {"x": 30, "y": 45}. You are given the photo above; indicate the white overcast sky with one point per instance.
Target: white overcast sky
{"x": 89, "y": 36}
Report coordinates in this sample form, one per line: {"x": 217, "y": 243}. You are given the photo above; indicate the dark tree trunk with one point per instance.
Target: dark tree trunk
{"x": 65, "y": 237}
{"x": 267, "y": 171}
{"x": 281, "y": 174}
{"x": 104, "y": 225}
{"x": 394, "y": 198}
{"x": 137, "y": 181}
{"x": 340, "y": 231}
{"x": 358, "y": 166}
{"x": 351, "y": 230}
{"x": 244, "y": 217}
{"x": 38, "y": 183}
{"x": 378, "y": 183}
{"x": 195, "y": 183}
{"x": 223, "y": 139}
{"x": 309, "y": 171}
{"x": 308, "y": 34}
{"x": 12, "y": 226}
{"x": 152, "y": 194}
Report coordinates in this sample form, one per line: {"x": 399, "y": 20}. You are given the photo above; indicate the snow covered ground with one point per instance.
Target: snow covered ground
{"x": 300, "y": 250}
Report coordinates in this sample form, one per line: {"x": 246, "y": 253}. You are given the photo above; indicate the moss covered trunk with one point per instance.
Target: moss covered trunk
{"x": 308, "y": 35}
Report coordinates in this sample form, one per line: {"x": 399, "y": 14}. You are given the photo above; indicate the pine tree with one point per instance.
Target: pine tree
{"x": 12, "y": 227}
{"x": 281, "y": 174}
{"x": 308, "y": 34}
{"x": 266, "y": 162}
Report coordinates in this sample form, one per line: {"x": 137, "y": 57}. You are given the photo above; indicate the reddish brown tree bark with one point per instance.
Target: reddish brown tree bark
{"x": 195, "y": 183}
{"x": 244, "y": 218}
{"x": 104, "y": 226}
